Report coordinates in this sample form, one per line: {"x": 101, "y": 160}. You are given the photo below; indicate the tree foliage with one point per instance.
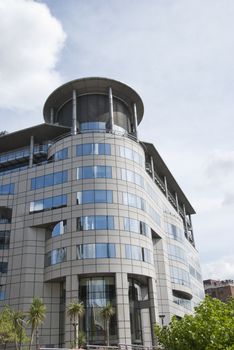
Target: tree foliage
{"x": 74, "y": 311}
{"x": 36, "y": 316}
{"x": 106, "y": 313}
{"x": 210, "y": 328}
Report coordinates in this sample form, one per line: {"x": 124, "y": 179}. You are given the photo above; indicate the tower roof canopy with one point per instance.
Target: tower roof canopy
{"x": 94, "y": 85}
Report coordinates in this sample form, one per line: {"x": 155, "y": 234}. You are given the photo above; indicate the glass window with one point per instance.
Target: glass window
{"x": 92, "y": 172}
{"x": 132, "y": 155}
{"x": 2, "y": 292}
{"x": 154, "y": 215}
{"x": 49, "y": 180}
{"x": 56, "y": 256}
{"x": 98, "y": 222}
{"x": 3, "y": 267}
{"x": 96, "y": 251}
{"x": 179, "y": 276}
{"x": 60, "y": 155}
{"x": 48, "y": 203}
{"x": 175, "y": 232}
{"x": 59, "y": 229}
{"x": 147, "y": 256}
{"x": 176, "y": 253}
{"x": 94, "y": 196}
{"x": 92, "y": 126}
{"x": 131, "y": 176}
{"x": 134, "y": 225}
{"x": 93, "y": 148}
{"x": 4, "y": 239}
{"x": 133, "y": 201}
{"x": 7, "y": 189}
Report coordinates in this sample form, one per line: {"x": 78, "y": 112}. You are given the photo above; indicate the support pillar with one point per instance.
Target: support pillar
{"x": 177, "y": 203}
{"x": 51, "y": 115}
{"x": 165, "y": 184}
{"x": 185, "y": 221}
{"x": 74, "y": 113}
{"x": 31, "y": 151}
{"x": 122, "y": 301}
{"x": 135, "y": 121}
{"x": 111, "y": 109}
{"x": 152, "y": 168}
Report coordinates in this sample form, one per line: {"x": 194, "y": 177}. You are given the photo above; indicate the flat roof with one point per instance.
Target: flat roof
{"x": 21, "y": 138}
{"x": 92, "y": 85}
{"x": 162, "y": 170}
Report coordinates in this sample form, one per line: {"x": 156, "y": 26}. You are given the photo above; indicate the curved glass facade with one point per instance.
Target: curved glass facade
{"x": 95, "y": 293}
{"x": 93, "y": 113}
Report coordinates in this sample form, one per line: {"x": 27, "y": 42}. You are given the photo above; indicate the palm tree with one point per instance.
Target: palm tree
{"x": 36, "y": 316}
{"x": 18, "y": 322}
{"x": 106, "y": 313}
{"x": 74, "y": 311}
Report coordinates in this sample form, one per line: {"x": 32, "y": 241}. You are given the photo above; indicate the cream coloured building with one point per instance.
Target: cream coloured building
{"x": 90, "y": 212}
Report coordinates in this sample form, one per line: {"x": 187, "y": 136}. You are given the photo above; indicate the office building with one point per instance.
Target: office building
{"x": 222, "y": 290}
{"x": 90, "y": 212}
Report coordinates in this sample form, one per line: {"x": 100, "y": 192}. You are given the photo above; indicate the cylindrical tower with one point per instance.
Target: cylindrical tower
{"x": 108, "y": 248}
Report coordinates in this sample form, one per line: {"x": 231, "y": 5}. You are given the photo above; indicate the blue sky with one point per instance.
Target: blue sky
{"x": 178, "y": 55}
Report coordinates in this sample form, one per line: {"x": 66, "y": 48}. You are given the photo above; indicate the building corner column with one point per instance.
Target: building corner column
{"x": 122, "y": 305}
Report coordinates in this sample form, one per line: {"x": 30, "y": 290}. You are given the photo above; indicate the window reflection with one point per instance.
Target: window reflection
{"x": 59, "y": 229}
{"x": 48, "y": 203}
{"x": 94, "y": 196}
{"x": 131, "y": 176}
{"x": 49, "y": 180}
{"x": 87, "y": 149}
{"x": 93, "y": 172}
{"x": 174, "y": 232}
{"x": 137, "y": 226}
{"x": 95, "y": 293}
{"x": 7, "y": 189}
{"x": 138, "y": 253}
{"x": 179, "y": 276}
{"x": 176, "y": 253}
{"x": 55, "y": 256}
{"x": 98, "y": 222}
{"x": 132, "y": 200}
{"x": 96, "y": 251}
{"x": 95, "y": 126}
{"x": 130, "y": 154}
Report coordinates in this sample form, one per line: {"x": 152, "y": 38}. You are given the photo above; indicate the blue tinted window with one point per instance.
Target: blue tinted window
{"x": 138, "y": 253}
{"x": 96, "y": 251}
{"x": 96, "y": 171}
{"x": 60, "y": 155}
{"x": 56, "y": 256}
{"x": 175, "y": 232}
{"x": 136, "y": 226}
{"x": 94, "y": 196}
{"x": 93, "y": 148}
{"x": 7, "y": 189}
{"x": 49, "y": 180}
{"x": 48, "y": 203}
{"x": 98, "y": 222}
{"x": 59, "y": 228}
{"x": 89, "y": 126}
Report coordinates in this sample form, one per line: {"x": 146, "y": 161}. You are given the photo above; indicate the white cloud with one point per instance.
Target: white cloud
{"x": 219, "y": 269}
{"x": 30, "y": 42}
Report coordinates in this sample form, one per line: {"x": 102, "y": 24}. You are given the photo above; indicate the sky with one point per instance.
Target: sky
{"x": 177, "y": 54}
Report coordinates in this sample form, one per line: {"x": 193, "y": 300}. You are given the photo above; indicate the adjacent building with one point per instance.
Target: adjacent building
{"x": 90, "y": 212}
{"x": 222, "y": 290}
